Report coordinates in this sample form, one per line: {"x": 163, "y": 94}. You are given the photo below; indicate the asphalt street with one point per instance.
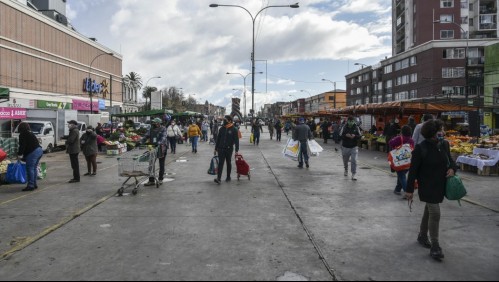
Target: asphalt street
{"x": 283, "y": 224}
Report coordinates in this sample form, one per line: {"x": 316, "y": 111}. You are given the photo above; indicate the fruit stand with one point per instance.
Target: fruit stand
{"x": 481, "y": 157}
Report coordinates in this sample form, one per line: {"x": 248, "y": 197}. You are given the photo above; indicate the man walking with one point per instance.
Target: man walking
{"x": 278, "y": 130}
{"x": 228, "y": 137}
{"x": 158, "y": 137}
{"x": 350, "y": 135}
{"x": 302, "y": 133}
{"x": 73, "y": 149}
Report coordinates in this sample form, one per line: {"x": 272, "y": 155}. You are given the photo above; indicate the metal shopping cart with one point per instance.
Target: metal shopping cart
{"x": 137, "y": 164}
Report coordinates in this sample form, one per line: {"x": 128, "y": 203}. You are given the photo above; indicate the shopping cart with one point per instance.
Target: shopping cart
{"x": 243, "y": 169}
{"x": 137, "y": 164}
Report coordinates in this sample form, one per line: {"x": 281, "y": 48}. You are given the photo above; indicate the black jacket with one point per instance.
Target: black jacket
{"x": 348, "y": 142}
{"x": 28, "y": 143}
{"x": 227, "y": 138}
{"x": 429, "y": 165}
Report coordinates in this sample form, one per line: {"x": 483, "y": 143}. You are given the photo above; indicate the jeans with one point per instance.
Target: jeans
{"x": 303, "y": 153}
{"x": 75, "y": 165}
{"x": 161, "y": 170}
{"x": 401, "y": 180}
{"x": 173, "y": 144}
{"x": 431, "y": 222}
{"x": 350, "y": 153}
{"x": 205, "y": 135}
{"x": 278, "y": 135}
{"x": 194, "y": 142}
{"x": 224, "y": 156}
{"x": 32, "y": 161}
{"x": 257, "y": 139}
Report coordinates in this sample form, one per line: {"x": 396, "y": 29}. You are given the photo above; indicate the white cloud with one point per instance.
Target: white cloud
{"x": 192, "y": 46}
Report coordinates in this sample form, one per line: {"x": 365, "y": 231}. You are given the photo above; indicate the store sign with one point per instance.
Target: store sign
{"x": 12, "y": 113}
{"x": 91, "y": 86}
{"x": 102, "y": 104}
{"x": 20, "y": 103}
{"x": 53, "y": 105}
{"x": 83, "y": 105}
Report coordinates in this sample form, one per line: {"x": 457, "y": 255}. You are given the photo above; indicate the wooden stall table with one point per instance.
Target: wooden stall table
{"x": 484, "y": 167}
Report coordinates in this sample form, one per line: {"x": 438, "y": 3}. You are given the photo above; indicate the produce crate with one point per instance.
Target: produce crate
{"x": 468, "y": 168}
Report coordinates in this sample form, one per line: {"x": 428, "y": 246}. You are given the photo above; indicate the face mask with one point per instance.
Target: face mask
{"x": 351, "y": 123}
{"x": 440, "y": 136}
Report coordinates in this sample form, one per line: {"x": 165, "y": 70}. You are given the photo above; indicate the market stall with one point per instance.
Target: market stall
{"x": 485, "y": 160}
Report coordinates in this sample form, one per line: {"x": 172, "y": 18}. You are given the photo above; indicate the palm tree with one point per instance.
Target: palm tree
{"x": 146, "y": 93}
{"x": 134, "y": 79}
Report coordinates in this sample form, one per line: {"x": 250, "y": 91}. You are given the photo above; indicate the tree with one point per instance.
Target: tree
{"x": 134, "y": 79}
{"x": 146, "y": 93}
{"x": 173, "y": 99}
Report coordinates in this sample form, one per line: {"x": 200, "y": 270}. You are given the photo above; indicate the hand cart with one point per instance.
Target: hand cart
{"x": 137, "y": 164}
{"x": 243, "y": 169}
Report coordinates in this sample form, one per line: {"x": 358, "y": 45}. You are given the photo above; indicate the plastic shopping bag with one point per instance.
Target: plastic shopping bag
{"x": 42, "y": 170}
{"x": 314, "y": 148}
{"x": 16, "y": 173}
{"x": 3, "y": 155}
{"x": 292, "y": 150}
{"x": 213, "y": 170}
{"x": 400, "y": 158}
{"x": 455, "y": 189}
{"x": 252, "y": 138}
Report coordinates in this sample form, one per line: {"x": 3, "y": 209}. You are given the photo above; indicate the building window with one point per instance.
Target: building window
{"x": 359, "y": 78}
{"x": 359, "y": 91}
{"x": 413, "y": 61}
{"x": 446, "y": 18}
{"x": 389, "y": 84}
{"x": 401, "y": 96}
{"x": 446, "y": 34}
{"x": 352, "y": 92}
{"x": 414, "y": 77}
{"x": 446, "y": 3}
{"x": 380, "y": 99}
{"x": 453, "y": 90}
{"x": 389, "y": 97}
{"x": 388, "y": 69}
{"x": 367, "y": 101}
{"x": 453, "y": 72}
{"x": 454, "y": 53}
{"x": 464, "y": 4}
{"x": 496, "y": 95}
{"x": 353, "y": 81}
{"x": 413, "y": 94}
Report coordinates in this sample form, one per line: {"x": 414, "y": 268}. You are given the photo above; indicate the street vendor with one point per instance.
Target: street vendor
{"x": 157, "y": 136}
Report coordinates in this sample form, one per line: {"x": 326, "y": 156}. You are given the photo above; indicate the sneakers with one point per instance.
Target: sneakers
{"x": 397, "y": 192}
{"x": 346, "y": 173}
{"x": 307, "y": 164}
{"x": 28, "y": 189}
{"x": 73, "y": 181}
{"x": 150, "y": 184}
{"x": 423, "y": 241}
{"x": 354, "y": 177}
{"x": 217, "y": 181}
{"x": 228, "y": 179}
{"x": 160, "y": 182}
{"x": 436, "y": 252}
{"x": 300, "y": 166}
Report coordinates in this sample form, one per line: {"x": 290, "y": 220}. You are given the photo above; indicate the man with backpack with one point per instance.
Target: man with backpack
{"x": 228, "y": 137}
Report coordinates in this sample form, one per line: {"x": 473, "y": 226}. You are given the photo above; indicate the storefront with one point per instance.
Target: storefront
{"x": 86, "y": 106}
{"x": 9, "y": 119}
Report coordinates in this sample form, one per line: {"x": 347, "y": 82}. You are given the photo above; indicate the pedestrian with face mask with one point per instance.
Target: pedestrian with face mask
{"x": 157, "y": 137}
{"x": 228, "y": 138}
{"x": 174, "y": 134}
{"x": 73, "y": 149}
{"x": 350, "y": 136}
{"x": 89, "y": 148}
{"x": 302, "y": 133}
{"x": 431, "y": 165}
{"x": 194, "y": 133}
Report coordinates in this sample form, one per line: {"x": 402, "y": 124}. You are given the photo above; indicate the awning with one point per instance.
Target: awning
{"x": 145, "y": 114}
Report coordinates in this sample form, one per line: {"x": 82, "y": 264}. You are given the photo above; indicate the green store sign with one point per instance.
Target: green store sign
{"x": 54, "y": 105}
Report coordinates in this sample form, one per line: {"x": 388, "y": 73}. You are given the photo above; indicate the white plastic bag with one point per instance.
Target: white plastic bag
{"x": 314, "y": 148}
{"x": 292, "y": 150}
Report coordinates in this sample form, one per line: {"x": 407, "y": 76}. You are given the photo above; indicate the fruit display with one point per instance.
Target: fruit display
{"x": 381, "y": 139}
{"x": 369, "y": 136}
{"x": 3, "y": 166}
{"x": 462, "y": 147}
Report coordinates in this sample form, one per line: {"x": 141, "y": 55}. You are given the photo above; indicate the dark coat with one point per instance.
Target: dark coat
{"x": 227, "y": 138}
{"x": 73, "y": 142}
{"x": 89, "y": 144}
{"x": 429, "y": 165}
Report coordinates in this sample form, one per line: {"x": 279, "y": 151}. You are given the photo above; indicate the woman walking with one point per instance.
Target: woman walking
{"x": 256, "y": 130}
{"x": 31, "y": 152}
{"x": 431, "y": 165}
{"x": 271, "y": 129}
{"x": 404, "y": 138}
{"x": 89, "y": 149}
{"x": 173, "y": 134}
{"x": 193, "y": 133}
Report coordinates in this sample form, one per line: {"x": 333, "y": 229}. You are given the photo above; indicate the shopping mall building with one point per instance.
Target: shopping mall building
{"x": 45, "y": 63}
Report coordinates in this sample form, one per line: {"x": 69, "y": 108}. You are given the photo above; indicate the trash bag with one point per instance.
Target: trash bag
{"x": 16, "y": 173}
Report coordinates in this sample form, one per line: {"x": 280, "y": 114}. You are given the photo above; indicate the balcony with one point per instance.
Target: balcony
{"x": 488, "y": 22}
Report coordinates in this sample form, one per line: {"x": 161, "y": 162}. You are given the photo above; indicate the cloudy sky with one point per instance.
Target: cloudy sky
{"x": 192, "y": 46}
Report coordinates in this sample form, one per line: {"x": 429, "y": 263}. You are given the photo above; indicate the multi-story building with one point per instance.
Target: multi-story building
{"x": 416, "y": 22}
{"x": 46, "y": 64}
{"x": 491, "y": 105}
{"x": 325, "y": 102}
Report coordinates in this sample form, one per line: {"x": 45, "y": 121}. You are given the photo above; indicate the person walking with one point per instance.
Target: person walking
{"x": 226, "y": 141}
{"x": 157, "y": 137}
{"x": 325, "y": 130}
{"x": 193, "y": 133}
{"x": 271, "y": 129}
{"x": 31, "y": 152}
{"x": 204, "y": 130}
{"x": 89, "y": 149}
{"x": 397, "y": 141}
{"x": 350, "y": 135}
{"x": 256, "y": 129}
{"x": 98, "y": 129}
{"x": 278, "y": 130}
{"x": 431, "y": 165}
{"x": 73, "y": 149}
{"x": 302, "y": 134}
{"x": 173, "y": 134}
{"x": 215, "y": 131}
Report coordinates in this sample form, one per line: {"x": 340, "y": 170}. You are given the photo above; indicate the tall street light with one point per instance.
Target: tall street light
{"x": 244, "y": 79}
{"x": 253, "y": 18}
{"x": 89, "y": 82}
{"x": 360, "y": 64}
{"x": 145, "y": 88}
{"x": 334, "y": 87}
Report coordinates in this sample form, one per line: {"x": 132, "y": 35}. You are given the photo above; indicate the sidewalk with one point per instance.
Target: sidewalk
{"x": 304, "y": 224}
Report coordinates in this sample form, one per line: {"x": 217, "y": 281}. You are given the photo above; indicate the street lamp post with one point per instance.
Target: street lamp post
{"x": 89, "y": 82}
{"x": 334, "y": 87}
{"x": 145, "y": 88}
{"x": 253, "y": 18}
{"x": 360, "y": 64}
{"x": 244, "y": 91}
